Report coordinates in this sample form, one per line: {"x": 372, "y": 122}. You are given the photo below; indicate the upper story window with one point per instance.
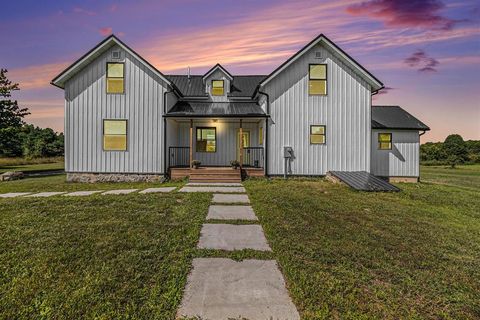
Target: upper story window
{"x": 317, "y": 79}
{"x": 115, "y": 77}
{"x": 217, "y": 87}
{"x": 385, "y": 141}
{"x": 115, "y": 135}
{"x": 317, "y": 134}
{"x": 207, "y": 139}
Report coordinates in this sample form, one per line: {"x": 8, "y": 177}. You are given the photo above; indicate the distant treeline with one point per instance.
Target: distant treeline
{"x": 454, "y": 150}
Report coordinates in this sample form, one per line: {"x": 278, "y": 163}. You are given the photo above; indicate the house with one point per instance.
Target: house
{"x": 126, "y": 120}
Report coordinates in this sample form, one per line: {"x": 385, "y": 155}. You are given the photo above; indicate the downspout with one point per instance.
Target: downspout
{"x": 165, "y": 130}
{"x": 421, "y": 134}
{"x": 266, "y": 130}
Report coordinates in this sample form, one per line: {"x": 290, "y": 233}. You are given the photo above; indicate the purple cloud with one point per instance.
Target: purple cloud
{"x": 420, "y": 60}
{"x": 411, "y": 13}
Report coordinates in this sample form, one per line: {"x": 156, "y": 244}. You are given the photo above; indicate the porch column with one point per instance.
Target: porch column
{"x": 241, "y": 145}
{"x": 191, "y": 142}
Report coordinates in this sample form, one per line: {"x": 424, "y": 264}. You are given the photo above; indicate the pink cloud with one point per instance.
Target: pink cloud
{"x": 420, "y": 60}
{"x": 37, "y": 76}
{"x": 106, "y": 31}
{"x": 401, "y": 13}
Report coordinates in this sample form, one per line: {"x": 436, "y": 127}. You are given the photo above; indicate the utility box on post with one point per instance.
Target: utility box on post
{"x": 287, "y": 152}
{"x": 288, "y": 156}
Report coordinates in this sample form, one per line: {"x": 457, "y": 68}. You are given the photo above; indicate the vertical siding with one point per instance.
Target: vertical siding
{"x": 87, "y": 105}
{"x": 345, "y": 112}
{"x": 226, "y": 140}
{"x": 402, "y": 160}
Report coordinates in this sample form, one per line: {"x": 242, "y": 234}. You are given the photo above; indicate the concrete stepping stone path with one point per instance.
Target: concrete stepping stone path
{"x": 219, "y": 288}
{"x": 156, "y": 190}
{"x": 232, "y": 237}
{"x": 230, "y": 198}
{"x": 214, "y": 189}
{"x": 14, "y": 194}
{"x": 119, "y": 191}
{"x": 223, "y": 212}
{"x": 82, "y": 193}
{"x": 223, "y": 184}
{"x": 45, "y": 194}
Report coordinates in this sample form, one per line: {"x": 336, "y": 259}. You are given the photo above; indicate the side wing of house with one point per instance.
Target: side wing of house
{"x": 339, "y": 118}
{"x": 89, "y": 112}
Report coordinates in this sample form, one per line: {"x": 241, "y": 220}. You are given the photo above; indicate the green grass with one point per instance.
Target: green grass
{"x": 31, "y": 165}
{"x": 466, "y": 176}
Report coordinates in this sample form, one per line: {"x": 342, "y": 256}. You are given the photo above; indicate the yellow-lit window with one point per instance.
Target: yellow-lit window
{"x": 115, "y": 77}
{"x": 385, "y": 141}
{"x": 317, "y": 79}
{"x": 317, "y": 134}
{"x": 260, "y": 135}
{"x": 217, "y": 87}
{"x": 115, "y": 135}
{"x": 206, "y": 140}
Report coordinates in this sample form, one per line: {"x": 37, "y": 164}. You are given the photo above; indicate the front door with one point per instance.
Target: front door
{"x": 246, "y": 144}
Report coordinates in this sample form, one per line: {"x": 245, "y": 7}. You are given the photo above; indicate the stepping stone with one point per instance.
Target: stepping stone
{"x": 231, "y": 213}
{"x": 230, "y": 198}
{"x": 81, "y": 193}
{"x": 219, "y": 288}
{"x": 14, "y": 194}
{"x": 45, "y": 194}
{"x": 119, "y": 191}
{"x": 222, "y": 184}
{"x": 155, "y": 190}
{"x": 233, "y": 237}
{"x": 214, "y": 189}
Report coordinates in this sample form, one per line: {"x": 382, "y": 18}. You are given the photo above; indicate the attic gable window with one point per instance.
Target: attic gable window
{"x": 317, "y": 79}
{"x": 217, "y": 87}
{"x": 115, "y": 77}
{"x": 385, "y": 141}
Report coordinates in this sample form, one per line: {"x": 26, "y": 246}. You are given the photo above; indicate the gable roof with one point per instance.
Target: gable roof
{"x": 100, "y": 48}
{"x": 394, "y": 117}
{"x": 241, "y": 86}
{"x": 374, "y": 82}
{"x": 215, "y": 67}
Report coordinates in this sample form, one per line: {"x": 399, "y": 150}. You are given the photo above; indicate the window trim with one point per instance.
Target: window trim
{"x": 316, "y": 134}
{"x": 326, "y": 79}
{"x": 107, "y": 77}
{"x": 196, "y": 139}
{"x": 380, "y": 142}
{"x": 126, "y": 135}
{"x": 223, "y": 88}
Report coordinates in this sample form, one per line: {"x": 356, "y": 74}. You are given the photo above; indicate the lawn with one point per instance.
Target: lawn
{"x": 345, "y": 254}
{"x": 465, "y": 176}
{"x": 31, "y": 165}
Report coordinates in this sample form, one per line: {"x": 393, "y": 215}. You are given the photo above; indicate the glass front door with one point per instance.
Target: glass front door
{"x": 246, "y": 143}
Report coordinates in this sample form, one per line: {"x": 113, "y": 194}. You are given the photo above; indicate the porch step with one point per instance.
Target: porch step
{"x": 215, "y": 175}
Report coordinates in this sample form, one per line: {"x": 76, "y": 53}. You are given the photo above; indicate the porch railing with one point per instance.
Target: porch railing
{"x": 179, "y": 156}
{"x": 253, "y": 157}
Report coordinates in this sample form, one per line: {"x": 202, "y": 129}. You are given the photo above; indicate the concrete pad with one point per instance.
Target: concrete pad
{"x": 231, "y": 213}
{"x": 230, "y": 198}
{"x": 14, "y": 194}
{"x": 82, "y": 193}
{"x": 119, "y": 191}
{"x": 45, "y": 194}
{"x": 233, "y": 237}
{"x": 222, "y": 184}
{"x": 219, "y": 288}
{"x": 155, "y": 190}
{"x": 214, "y": 189}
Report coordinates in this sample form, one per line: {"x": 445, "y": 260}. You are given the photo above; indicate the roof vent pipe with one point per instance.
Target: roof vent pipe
{"x": 188, "y": 72}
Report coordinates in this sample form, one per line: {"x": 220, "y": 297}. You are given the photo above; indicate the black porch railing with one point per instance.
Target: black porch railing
{"x": 253, "y": 157}
{"x": 178, "y": 157}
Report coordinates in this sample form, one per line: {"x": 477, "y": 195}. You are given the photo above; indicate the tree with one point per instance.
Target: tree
{"x": 11, "y": 117}
{"x": 455, "y": 149}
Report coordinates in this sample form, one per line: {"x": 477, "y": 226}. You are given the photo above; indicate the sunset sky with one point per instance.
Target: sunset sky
{"x": 427, "y": 53}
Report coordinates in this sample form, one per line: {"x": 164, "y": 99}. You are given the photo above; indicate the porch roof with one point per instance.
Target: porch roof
{"x": 216, "y": 109}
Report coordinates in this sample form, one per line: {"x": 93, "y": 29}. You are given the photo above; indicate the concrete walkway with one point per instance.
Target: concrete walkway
{"x": 84, "y": 193}
{"x": 220, "y": 288}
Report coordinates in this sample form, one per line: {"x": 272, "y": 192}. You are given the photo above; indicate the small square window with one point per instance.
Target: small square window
{"x": 217, "y": 87}
{"x": 317, "y": 79}
{"x": 317, "y": 134}
{"x": 385, "y": 141}
{"x": 115, "y": 77}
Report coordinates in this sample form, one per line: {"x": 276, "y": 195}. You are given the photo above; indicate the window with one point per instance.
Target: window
{"x": 317, "y": 134}
{"x": 206, "y": 139}
{"x": 317, "y": 79}
{"x": 115, "y": 77}
{"x": 217, "y": 87}
{"x": 260, "y": 136}
{"x": 385, "y": 141}
{"x": 115, "y": 135}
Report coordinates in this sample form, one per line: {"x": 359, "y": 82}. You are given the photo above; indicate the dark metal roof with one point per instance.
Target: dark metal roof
{"x": 394, "y": 117}
{"x": 241, "y": 86}
{"x": 215, "y": 109}
{"x": 364, "y": 181}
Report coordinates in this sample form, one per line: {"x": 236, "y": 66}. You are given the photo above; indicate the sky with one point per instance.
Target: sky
{"x": 427, "y": 53}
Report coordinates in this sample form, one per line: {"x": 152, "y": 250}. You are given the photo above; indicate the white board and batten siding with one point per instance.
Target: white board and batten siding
{"x": 345, "y": 111}
{"x": 402, "y": 160}
{"x": 87, "y": 105}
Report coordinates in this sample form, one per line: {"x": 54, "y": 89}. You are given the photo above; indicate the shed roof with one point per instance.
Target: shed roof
{"x": 394, "y": 117}
{"x": 215, "y": 109}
